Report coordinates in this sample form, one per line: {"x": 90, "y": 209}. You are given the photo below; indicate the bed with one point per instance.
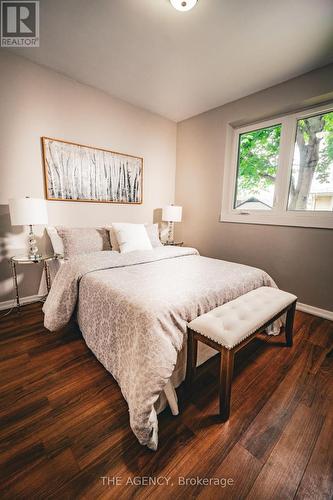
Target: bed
{"x": 133, "y": 309}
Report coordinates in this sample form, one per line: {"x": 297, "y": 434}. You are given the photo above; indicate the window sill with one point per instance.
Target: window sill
{"x": 298, "y": 219}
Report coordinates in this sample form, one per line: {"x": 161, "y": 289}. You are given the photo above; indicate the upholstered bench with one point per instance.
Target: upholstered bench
{"x": 231, "y": 326}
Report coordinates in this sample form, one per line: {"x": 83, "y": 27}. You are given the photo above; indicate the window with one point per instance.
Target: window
{"x": 281, "y": 171}
{"x": 258, "y": 154}
{"x": 311, "y": 183}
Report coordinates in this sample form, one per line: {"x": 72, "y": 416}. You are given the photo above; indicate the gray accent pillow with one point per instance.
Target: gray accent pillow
{"x": 78, "y": 240}
{"x": 153, "y": 235}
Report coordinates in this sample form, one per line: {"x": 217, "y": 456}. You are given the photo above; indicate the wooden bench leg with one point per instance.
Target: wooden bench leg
{"x": 191, "y": 364}
{"x": 226, "y": 372}
{"x": 290, "y": 324}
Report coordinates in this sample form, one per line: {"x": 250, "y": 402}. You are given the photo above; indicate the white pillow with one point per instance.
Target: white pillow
{"x": 152, "y": 231}
{"x": 131, "y": 237}
{"x": 56, "y": 240}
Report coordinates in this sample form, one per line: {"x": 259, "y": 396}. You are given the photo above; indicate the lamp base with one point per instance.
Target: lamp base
{"x": 170, "y": 239}
{"x": 33, "y": 249}
{"x": 35, "y": 257}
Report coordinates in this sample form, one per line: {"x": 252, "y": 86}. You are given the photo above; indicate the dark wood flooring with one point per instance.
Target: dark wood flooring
{"x": 64, "y": 423}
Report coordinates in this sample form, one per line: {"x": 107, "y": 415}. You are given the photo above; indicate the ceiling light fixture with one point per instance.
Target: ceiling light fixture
{"x": 183, "y": 5}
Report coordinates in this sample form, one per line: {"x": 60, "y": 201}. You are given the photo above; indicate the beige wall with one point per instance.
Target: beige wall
{"x": 35, "y": 101}
{"x": 299, "y": 259}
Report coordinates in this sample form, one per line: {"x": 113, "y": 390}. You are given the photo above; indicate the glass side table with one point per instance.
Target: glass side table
{"x": 24, "y": 259}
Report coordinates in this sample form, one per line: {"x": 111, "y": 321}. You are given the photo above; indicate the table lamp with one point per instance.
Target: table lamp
{"x": 28, "y": 212}
{"x": 171, "y": 214}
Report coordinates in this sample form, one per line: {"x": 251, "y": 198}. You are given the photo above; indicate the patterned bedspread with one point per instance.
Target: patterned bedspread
{"x": 133, "y": 309}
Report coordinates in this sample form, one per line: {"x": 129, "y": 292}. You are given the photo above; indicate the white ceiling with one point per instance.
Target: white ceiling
{"x": 179, "y": 64}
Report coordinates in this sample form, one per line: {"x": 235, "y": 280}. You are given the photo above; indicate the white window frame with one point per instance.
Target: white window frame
{"x": 279, "y": 214}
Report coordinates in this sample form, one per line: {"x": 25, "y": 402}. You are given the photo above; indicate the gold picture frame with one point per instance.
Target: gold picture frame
{"x": 81, "y": 173}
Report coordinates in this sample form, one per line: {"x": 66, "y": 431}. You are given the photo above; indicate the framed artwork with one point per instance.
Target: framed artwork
{"x": 74, "y": 172}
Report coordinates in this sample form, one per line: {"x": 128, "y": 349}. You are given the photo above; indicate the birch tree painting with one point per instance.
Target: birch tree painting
{"x": 81, "y": 173}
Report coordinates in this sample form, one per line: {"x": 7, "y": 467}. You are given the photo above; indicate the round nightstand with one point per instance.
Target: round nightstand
{"x": 23, "y": 260}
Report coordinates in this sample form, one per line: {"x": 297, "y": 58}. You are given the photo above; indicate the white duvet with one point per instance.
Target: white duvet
{"x": 133, "y": 310}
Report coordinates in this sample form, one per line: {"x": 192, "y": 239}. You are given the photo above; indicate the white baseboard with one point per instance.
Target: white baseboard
{"x": 8, "y": 304}
{"x": 316, "y": 311}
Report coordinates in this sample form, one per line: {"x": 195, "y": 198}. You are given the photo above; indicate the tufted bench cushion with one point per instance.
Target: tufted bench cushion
{"x": 231, "y": 323}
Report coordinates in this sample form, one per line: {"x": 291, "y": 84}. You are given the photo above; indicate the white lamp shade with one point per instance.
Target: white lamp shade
{"x": 172, "y": 213}
{"x": 27, "y": 211}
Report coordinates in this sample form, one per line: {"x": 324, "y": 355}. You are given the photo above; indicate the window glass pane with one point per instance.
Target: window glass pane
{"x": 311, "y": 184}
{"x": 258, "y": 155}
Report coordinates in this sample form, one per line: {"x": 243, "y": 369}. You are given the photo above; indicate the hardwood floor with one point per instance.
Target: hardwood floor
{"x": 64, "y": 423}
